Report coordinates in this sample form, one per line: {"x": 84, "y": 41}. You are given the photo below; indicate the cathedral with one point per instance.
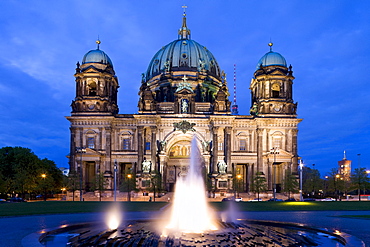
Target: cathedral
{"x": 183, "y": 95}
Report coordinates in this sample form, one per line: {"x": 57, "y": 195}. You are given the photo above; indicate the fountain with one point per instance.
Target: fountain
{"x": 192, "y": 223}
{"x": 190, "y": 211}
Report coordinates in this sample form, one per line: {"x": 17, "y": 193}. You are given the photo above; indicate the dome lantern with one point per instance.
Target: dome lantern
{"x": 184, "y": 31}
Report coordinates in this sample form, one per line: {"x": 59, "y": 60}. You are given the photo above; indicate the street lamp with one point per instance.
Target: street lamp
{"x": 359, "y": 182}
{"x": 128, "y": 187}
{"x": 274, "y": 151}
{"x": 63, "y": 189}
{"x": 80, "y": 150}
{"x": 239, "y": 176}
{"x": 300, "y": 180}
{"x": 44, "y": 177}
{"x": 115, "y": 180}
{"x": 326, "y": 185}
{"x": 335, "y": 186}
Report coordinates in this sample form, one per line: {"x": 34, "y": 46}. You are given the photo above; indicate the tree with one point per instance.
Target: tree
{"x": 73, "y": 182}
{"x": 99, "y": 184}
{"x": 259, "y": 184}
{"x": 335, "y": 183}
{"x": 311, "y": 181}
{"x": 128, "y": 184}
{"x": 360, "y": 180}
{"x": 21, "y": 171}
{"x": 155, "y": 183}
{"x": 290, "y": 183}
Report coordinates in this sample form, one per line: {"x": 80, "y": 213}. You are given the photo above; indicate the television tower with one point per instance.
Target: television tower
{"x": 234, "y": 107}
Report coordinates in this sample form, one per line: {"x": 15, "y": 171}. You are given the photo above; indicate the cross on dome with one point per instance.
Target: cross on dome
{"x": 184, "y": 32}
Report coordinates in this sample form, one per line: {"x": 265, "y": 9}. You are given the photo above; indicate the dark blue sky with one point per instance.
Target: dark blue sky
{"x": 326, "y": 42}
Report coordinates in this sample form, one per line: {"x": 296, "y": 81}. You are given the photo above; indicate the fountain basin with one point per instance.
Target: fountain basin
{"x": 240, "y": 233}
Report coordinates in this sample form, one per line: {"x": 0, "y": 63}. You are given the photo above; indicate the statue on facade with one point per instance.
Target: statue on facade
{"x": 222, "y": 167}
{"x": 206, "y": 146}
{"x": 162, "y": 145}
{"x": 254, "y": 109}
{"x": 146, "y": 166}
{"x": 184, "y": 106}
{"x": 167, "y": 65}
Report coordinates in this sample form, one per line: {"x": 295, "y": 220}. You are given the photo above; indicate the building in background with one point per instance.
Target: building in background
{"x": 344, "y": 167}
{"x": 183, "y": 95}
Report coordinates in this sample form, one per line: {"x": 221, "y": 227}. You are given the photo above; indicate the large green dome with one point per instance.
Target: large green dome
{"x": 183, "y": 55}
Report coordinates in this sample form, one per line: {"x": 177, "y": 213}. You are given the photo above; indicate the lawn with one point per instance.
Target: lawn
{"x": 62, "y": 207}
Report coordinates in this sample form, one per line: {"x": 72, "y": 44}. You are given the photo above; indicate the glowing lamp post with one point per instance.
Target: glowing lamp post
{"x": 335, "y": 185}
{"x": 128, "y": 187}
{"x": 80, "y": 150}
{"x": 238, "y": 179}
{"x": 44, "y": 185}
{"x": 300, "y": 180}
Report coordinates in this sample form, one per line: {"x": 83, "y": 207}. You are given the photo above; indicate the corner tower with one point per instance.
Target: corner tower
{"x": 96, "y": 85}
{"x": 271, "y": 87}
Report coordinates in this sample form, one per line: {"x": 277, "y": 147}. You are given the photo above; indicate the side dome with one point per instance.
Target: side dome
{"x": 183, "y": 55}
{"x": 271, "y": 58}
{"x": 97, "y": 56}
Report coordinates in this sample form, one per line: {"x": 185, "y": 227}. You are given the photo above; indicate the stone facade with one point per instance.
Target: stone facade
{"x": 181, "y": 98}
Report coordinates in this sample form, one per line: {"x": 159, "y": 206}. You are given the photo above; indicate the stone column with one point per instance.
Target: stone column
{"x": 72, "y": 150}
{"x": 259, "y": 150}
{"x": 214, "y": 149}
{"x": 227, "y": 151}
{"x": 153, "y": 147}
{"x": 295, "y": 150}
{"x": 99, "y": 139}
{"x": 108, "y": 148}
{"x": 140, "y": 150}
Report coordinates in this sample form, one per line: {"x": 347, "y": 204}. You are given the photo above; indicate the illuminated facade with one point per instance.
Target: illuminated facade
{"x": 344, "y": 168}
{"x": 183, "y": 94}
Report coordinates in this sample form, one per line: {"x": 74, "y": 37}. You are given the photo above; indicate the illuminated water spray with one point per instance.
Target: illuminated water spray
{"x": 113, "y": 217}
{"x": 190, "y": 210}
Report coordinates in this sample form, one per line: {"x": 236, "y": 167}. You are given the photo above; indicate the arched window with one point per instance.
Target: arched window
{"x": 275, "y": 90}
{"x": 243, "y": 145}
{"x": 92, "y": 88}
{"x": 126, "y": 140}
{"x": 126, "y": 144}
{"x": 277, "y": 140}
{"x": 90, "y": 139}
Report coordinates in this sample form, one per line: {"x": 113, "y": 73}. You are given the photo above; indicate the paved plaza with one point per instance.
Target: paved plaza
{"x": 22, "y": 231}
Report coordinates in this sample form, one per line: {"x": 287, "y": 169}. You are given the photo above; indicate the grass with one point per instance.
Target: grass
{"x": 356, "y": 216}
{"x": 63, "y": 207}
{"x": 304, "y": 206}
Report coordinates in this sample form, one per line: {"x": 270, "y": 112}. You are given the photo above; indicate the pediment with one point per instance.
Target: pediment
{"x": 277, "y": 72}
{"x": 184, "y": 91}
{"x": 91, "y": 69}
{"x": 90, "y": 151}
{"x": 282, "y": 156}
